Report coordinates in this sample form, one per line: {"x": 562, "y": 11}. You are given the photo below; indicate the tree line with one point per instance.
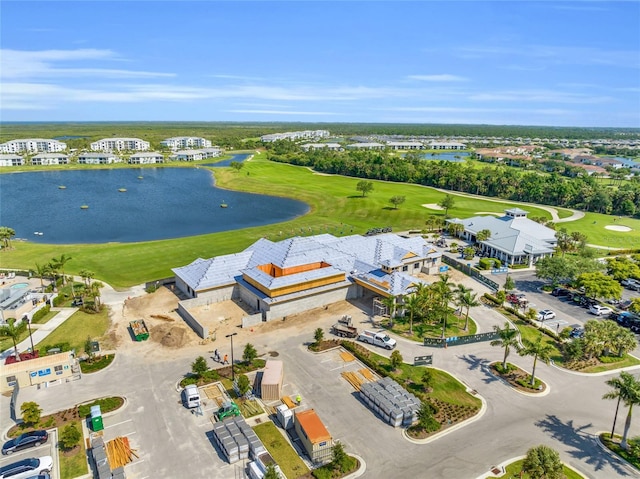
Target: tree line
{"x": 583, "y": 192}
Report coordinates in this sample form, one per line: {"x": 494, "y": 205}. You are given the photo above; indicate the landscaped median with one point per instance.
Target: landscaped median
{"x": 445, "y": 401}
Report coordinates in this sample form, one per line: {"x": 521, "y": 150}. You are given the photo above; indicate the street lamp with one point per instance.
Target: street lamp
{"x": 233, "y": 377}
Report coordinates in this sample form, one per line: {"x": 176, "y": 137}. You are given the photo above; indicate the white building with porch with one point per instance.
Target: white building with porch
{"x": 515, "y": 239}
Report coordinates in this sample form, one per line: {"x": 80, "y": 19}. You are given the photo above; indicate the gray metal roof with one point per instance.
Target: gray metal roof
{"x": 351, "y": 255}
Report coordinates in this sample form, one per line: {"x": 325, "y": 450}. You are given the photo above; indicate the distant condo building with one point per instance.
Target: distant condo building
{"x": 46, "y": 159}
{"x": 185, "y": 142}
{"x": 98, "y": 159}
{"x": 295, "y": 135}
{"x": 146, "y": 158}
{"x": 32, "y": 145}
{"x": 11, "y": 160}
{"x": 119, "y": 144}
{"x": 196, "y": 155}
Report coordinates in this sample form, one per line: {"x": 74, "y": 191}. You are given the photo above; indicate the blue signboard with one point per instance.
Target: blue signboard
{"x": 444, "y": 268}
{"x": 44, "y": 372}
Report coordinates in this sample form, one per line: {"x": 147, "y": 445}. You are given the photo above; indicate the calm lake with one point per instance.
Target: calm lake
{"x": 165, "y": 203}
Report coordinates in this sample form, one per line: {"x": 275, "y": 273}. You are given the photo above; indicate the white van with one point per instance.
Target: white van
{"x": 191, "y": 396}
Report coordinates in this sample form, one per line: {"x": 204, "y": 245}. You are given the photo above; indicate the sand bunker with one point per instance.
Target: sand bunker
{"x": 433, "y": 206}
{"x": 619, "y": 228}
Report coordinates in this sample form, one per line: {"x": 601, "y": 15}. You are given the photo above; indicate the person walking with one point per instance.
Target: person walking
{"x": 226, "y": 359}
{"x": 216, "y": 356}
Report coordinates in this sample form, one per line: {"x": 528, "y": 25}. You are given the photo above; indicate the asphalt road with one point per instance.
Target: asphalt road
{"x": 172, "y": 442}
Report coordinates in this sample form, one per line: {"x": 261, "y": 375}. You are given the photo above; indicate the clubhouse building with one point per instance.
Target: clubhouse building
{"x": 276, "y": 279}
{"x": 515, "y": 239}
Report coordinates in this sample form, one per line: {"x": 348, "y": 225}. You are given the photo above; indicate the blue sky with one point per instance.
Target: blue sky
{"x": 510, "y": 62}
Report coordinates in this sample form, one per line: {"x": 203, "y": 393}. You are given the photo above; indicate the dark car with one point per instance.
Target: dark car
{"x": 559, "y": 292}
{"x": 24, "y": 441}
{"x": 577, "y": 333}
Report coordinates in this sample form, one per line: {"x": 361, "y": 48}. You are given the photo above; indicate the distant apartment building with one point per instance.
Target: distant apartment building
{"x": 196, "y": 155}
{"x": 32, "y": 145}
{"x": 146, "y": 158}
{"x": 405, "y": 145}
{"x": 120, "y": 144}
{"x": 98, "y": 159}
{"x": 47, "y": 159}
{"x": 11, "y": 160}
{"x": 295, "y": 135}
{"x": 321, "y": 146}
{"x": 185, "y": 142}
{"x": 446, "y": 145}
{"x": 366, "y": 146}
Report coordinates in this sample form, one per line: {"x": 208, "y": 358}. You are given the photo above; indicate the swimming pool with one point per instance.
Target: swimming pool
{"x": 19, "y": 285}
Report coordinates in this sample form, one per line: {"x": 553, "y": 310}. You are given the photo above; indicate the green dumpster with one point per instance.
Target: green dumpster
{"x": 96, "y": 419}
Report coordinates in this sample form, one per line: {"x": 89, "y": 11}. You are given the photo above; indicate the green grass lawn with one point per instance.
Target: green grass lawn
{"x": 593, "y": 225}
{"x": 77, "y": 328}
{"x": 513, "y": 471}
{"x": 336, "y": 207}
{"x": 45, "y": 318}
{"x": 7, "y": 343}
{"x": 286, "y": 457}
{"x": 73, "y": 465}
{"x": 455, "y": 327}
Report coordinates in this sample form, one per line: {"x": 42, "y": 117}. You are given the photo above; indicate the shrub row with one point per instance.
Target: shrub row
{"x": 521, "y": 316}
{"x": 41, "y": 313}
{"x": 488, "y": 263}
{"x": 492, "y": 298}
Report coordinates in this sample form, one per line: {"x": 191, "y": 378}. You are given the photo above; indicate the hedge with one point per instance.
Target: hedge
{"x": 41, "y": 313}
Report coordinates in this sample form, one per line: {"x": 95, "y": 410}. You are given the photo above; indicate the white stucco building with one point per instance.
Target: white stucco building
{"x": 120, "y": 144}
{"x": 11, "y": 160}
{"x": 146, "y": 158}
{"x": 32, "y": 145}
{"x": 185, "y": 142}
{"x": 196, "y": 155}
{"x": 515, "y": 239}
{"x": 98, "y": 159}
{"x": 47, "y": 159}
{"x": 295, "y": 135}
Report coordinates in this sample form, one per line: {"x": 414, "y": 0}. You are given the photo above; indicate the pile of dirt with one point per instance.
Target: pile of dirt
{"x": 170, "y": 336}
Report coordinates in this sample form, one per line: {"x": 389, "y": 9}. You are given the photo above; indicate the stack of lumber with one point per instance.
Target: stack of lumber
{"x": 289, "y": 402}
{"x": 354, "y": 379}
{"x": 347, "y": 357}
{"x": 119, "y": 452}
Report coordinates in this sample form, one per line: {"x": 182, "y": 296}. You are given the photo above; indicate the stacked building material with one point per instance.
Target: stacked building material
{"x": 237, "y": 440}
{"x": 391, "y": 402}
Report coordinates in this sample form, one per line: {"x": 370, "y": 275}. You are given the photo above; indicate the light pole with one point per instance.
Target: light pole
{"x": 233, "y": 376}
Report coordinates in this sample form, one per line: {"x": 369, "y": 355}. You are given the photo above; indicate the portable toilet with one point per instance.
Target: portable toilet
{"x": 96, "y": 419}
{"x": 285, "y": 416}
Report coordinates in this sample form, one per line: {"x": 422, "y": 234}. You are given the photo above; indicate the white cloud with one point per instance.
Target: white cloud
{"x": 444, "y": 77}
{"x": 543, "y": 96}
{"x": 37, "y": 65}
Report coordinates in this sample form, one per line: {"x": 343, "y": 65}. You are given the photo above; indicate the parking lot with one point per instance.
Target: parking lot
{"x": 47, "y": 449}
{"x": 568, "y": 313}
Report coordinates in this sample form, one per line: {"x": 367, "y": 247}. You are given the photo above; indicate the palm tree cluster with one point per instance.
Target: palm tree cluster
{"x": 6, "y": 235}
{"x": 601, "y": 338}
{"x": 626, "y": 388}
{"x": 54, "y": 270}
{"x": 431, "y": 303}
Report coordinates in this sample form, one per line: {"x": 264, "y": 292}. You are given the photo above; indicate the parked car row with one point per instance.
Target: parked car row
{"x": 627, "y": 320}
{"x": 631, "y": 283}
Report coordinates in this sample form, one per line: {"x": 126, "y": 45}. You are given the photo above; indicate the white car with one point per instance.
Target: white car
{"x": 599, "y": 310}
{"x": 546, "y": 314}
{"x": 27, "y": 468}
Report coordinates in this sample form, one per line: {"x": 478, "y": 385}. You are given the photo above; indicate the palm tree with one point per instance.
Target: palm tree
{"x": 10, "y": 330}
{"x": 390, "y": 303}
{"x": 87, "y": 276}
{"x": 507, "y": 339}
{"x": 64, "y": 259}
{"x": 444, "y": 290}
{"x": 414, "y": 304}
{"x": 460, "y": 291}
{"x": 625, "y": 388}
{"x": 95, "y": 292}
{"x": 6, "y": 234}
{"x": 468, "y": 301}
{"x": 40, "y": 272}
{"x": 538, "y": 350}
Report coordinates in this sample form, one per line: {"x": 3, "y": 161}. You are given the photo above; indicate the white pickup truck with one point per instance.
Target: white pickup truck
{"x": 381, "y": 339}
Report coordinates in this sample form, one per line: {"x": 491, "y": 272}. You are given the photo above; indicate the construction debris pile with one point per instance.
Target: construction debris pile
{"x": 120, "y": 452}
{"x": 390, "y": 401}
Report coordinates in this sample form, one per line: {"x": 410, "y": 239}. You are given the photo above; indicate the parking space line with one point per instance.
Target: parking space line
{"x": 118, "y": 423}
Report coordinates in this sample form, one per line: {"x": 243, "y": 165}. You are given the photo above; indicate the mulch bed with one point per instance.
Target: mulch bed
{"x": 324, "y": 345}
{"x": 513, "y": 376}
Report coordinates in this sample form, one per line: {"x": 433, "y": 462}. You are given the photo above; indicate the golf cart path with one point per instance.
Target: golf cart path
{"x": 575, "y": 214}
